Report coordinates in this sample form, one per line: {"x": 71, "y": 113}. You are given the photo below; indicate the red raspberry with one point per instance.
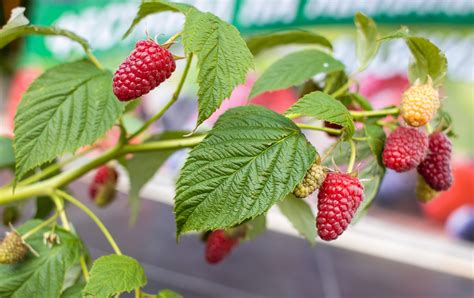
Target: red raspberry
{"x": 404, "y": 149}
{"x": 102, "y": 189}
{"x": 338, "y": 199}
{"x": 436, "y": 167}
{"x": 332, "y": 125}
{"x": 147, "y": 66}
{"x": 218, "y": 246}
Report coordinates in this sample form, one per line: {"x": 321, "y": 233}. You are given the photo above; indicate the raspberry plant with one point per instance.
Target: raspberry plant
{"x": 252, "y": 159}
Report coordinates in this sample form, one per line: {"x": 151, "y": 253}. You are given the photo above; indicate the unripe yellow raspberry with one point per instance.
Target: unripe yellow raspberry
{"x": 424, "y": 193}
{"x": 313, "y": 179}
{"x": 12, "y": 249}
{"x": 419, "y": 104}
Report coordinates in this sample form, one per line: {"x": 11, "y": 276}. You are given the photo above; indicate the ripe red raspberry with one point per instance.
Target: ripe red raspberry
{"x": 218, "y": 246}
{"x": 102, "y": 189}
{"x": 436, "y": 167}
{"x": 338, "y": 199}
{"x": 147, "y": 66}
{"x": 404, "y": 149}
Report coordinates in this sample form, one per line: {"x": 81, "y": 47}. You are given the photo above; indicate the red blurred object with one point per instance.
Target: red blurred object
{"x": 20, "y": 83}
{"x": 278, "y": 101}
{"x": 460, "y": 193}
{"x": 383, "y": 91}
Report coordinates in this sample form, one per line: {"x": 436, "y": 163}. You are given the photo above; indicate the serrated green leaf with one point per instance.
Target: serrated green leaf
{"x": 341, "y": 153}
{"x": 323, "y": 107}
{"x": 376, "y": 140}
{"x": 224, "y": 59}
{"x": 143, "y": 166}
{"x": 7, "y": 156}
{"x": 256, "y": 227}
{"x": 259, "y": 43}
{"x": 41, "y": 276}
{"x": 114, "y": 274}
{"x": 74, "y": 291}
{"x": 300, "y": 216}
{"x": 295, "y": 69}
{"x": 367, "y": 43}
{"x": 67, "y": 107}
{"x": 148, "y": 7}
{"x": 168, "y": 294}
{"x": 251, "y": 159}
{"x": 371, "y": 177}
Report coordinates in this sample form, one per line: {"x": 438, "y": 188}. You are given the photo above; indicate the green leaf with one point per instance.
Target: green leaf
{"x": 335, "y": 81}
{"x": 44, "y": 207}
{"x": 323, "y": 107}
{"x": 361, "y": 101}
{"x": 148, "y": 7}
{"x": 300, "y": 216}
{"x": 143, "y": 166}
{"x": 295, "y": 69}
{"x": 168, "y": 294}
{"x": 251, "y": 159}
{"x": 342, "y": 152}
{"x": 376, "y": 140}
{"x": 224, "y": 59}
{"x": 7, "y": 157}
{"x": 74, "y": 291}
{"x": 259, "y": 43}
{"x": 69, "y": 106}
{"x": 114, "y": 274}
{"x": 371, "y": 177}
{"x": 367, "y": 43}
{"x": 132, "y": 105}
{"x": 41, "y": 276}
{"x": 256, "y": 227}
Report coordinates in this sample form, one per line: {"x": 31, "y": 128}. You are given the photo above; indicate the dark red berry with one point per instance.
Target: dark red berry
{"x": 404, "y": 149}
{"x": 147, "y": 66}
{"x": 218, "y": 246}
{"x": 102, "y": 188}
{"x": 436, "y": 167}
{"x": 338, "y": 199}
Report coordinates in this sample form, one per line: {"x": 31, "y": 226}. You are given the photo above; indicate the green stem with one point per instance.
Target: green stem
{"x": 42, "y": 225}
{"x": 341, "y": 90}
{"x": 358, "y": 115}
{"x": 429, "y": 128}
{"x": 353, "y": 156}
{"x": 170, "y": 103}
{"x": 361, "y": 139}
{"x": 94, "y": 217}
{"x": 93, "y": 59}
{"x": 163, "y": 145}
{"x": 326, "y": 129}
{"x": 62, "y": 213}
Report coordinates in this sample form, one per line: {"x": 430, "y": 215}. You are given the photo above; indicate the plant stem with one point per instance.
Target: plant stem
{"x": 40, "y": 226}
{"x": 326, "y": 129}
{"x": 85, "y": 270}
{"x": 170, "y": 103}
{"x": 357, "y": 115}
{"x": 163, "y": 145}
{"x": 94, "y": 217}
{"x": 361, "y": 139}
{"x": 93, "y": 58}
{"x": 353, "y": 156}
{"x": 341, "y": 90}
{"x": 429, "y": 128}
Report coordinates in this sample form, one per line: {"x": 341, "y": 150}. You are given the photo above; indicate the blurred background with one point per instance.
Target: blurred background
{"x": 400, "y": 249}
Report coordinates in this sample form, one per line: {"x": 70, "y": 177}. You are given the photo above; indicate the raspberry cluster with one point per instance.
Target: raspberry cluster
{"x": 404, "y": 149}
{"x": 102, "y": 189}
{"x": 436, "y": 167}
{"x": 219, "y": 245}
{"x": 312, "y": 180}
{"x": 419, "y": 104}
{"x": 338, "y": 199}
{"x": 12, "y": 249}
{"x": 147, "y": 66}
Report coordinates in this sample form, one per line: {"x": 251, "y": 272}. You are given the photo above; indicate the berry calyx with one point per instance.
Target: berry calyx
{"x": 404, "y": 149}
{"x": 424, "y": 193}
{"x": 147, "y": 66}
{"x": 312, "y": 180}
{"x": 419, "y": 104}
{"x": 338, "y": 199}
{"x": 218, "y": 245}
{"x": 436, "y": 167}
{"x": 12, "y": 249}
{"x": 102, "y": 188}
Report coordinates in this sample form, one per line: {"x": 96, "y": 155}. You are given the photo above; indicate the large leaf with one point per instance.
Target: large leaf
{"x": 143, "y": 166}
{"x": 69, "y": 106}
{"x": 7, "y": 157}
{"x": 251, "y": 159}
{"x": 376, "y": 140}
{"x": 323, "y": 107}
{"x": 256, "y": 227}
{"x": 74, "y": 291}
{"x": 41, "y": 276}
{"x": 260, "y": 43}
{"x": 148, "y": 7}
{"x": 300, "y": 216}
{"x": 367, "y": 39}
{"x": 295, "y": 69}
{"x": 224, "y": 59}
{"x": 114, "y": 274}
{"x": 371, "y": 177}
